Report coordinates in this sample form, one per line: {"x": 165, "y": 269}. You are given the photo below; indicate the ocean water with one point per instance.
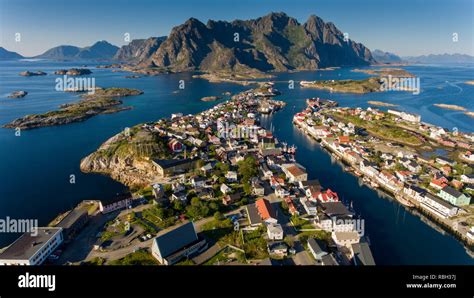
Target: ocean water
{"x": 35, "y": 168}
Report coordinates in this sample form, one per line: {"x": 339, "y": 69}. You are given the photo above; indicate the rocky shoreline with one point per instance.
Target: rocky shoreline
{"x": 103, "y": 101}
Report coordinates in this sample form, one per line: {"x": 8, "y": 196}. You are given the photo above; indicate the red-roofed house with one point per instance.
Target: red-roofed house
{"x": 344, "y": 140}
{"x": 265, "y": 211}
{"x": 439, "y": 183}
{"x": 291, "y": 206}
{"x": 328, "y": 196}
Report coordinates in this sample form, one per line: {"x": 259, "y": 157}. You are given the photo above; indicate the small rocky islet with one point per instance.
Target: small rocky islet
{"x": 18, "y": 94}
{"x": 32, "y": 73}
{"x": 73, "y": 72}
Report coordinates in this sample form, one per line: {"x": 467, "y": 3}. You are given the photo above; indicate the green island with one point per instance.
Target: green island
{"x": 346, "y": 86}
{"x": 102, "y": 101}
{"x": 242, "y": 78}
{"x": 396, "y": 72}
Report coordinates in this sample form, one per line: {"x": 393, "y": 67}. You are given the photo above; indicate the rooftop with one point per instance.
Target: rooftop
{"x": 253, "y": 215}
{"x": 336, "y": 209}
{"x": 28, "y": 245}
{"x": 265, "y": 209}
{"x": 72, "y": 217}
{"x": 363, "y": 254}
{"x": 171, "y": 240}
{"x": 118, "y": 197}
{"x": 317, "y": 245}
{"x": 451, "y": 191}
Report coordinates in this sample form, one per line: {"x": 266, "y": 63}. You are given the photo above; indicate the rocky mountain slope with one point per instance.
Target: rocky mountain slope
{"x": 386, "y": 57}
{"x": 139, "y": 49}
{"x": 8, "y": 55}
{"x": 275, "y": 42}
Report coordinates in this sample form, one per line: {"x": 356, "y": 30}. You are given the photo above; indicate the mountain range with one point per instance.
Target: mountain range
{"x": 99, "y": 50}
{"x": 440, "y": 58}
{"x": 386, "y": 57}
{"x": 275, "y": 42}
{"x": 7, "y": 55}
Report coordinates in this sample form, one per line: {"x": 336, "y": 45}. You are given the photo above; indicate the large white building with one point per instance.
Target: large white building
{"x": 406, "y": 116}
{"x": 32, "y": 248}
{"x": 438, "y": 206}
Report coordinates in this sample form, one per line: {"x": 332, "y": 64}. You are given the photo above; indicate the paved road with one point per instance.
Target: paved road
{"x": 136, "y": 244}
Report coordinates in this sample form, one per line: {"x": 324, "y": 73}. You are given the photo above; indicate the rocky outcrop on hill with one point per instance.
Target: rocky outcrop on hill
{"x": 139, "y": 49}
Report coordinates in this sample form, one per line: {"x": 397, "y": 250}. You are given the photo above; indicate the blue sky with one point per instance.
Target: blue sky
{"x": 405, "y": 27}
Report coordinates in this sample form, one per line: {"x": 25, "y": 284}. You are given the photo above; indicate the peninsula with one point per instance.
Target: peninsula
{"x": 386, "y": 149}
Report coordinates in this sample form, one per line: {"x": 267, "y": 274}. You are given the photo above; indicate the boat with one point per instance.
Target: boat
{"x": 357, "y": 173}
{"x": 374, "y": 185}
{"x": 404, "y": 201}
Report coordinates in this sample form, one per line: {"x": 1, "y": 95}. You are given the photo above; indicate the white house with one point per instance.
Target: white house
{"x": 225, "y": 189}
{"x": 345, "y": 238}
{"x": 231, "y": 176}
{"x": 274, "y": 231}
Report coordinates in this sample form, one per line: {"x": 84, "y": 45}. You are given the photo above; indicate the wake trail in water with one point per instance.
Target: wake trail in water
{"x": 454, "y": 85}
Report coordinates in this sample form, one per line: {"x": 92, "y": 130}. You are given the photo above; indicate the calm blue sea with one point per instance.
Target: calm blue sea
{"x": 35, "y": 168}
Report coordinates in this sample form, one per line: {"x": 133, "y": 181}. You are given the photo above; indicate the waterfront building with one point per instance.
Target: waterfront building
{"x": 73, "y": 222}
{"x": 415, "y": 192}
{"x": 117, "y": 202}
{"x": 32, "y": 248}
{"x": 328, "y": 196}
{"x": 438, "y": 206}
{"x": 454, "y": 197}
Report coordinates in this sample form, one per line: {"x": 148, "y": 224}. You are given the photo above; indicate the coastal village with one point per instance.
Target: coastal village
{"x": 425, "y": 167}
{"x": 220, "y": 190}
